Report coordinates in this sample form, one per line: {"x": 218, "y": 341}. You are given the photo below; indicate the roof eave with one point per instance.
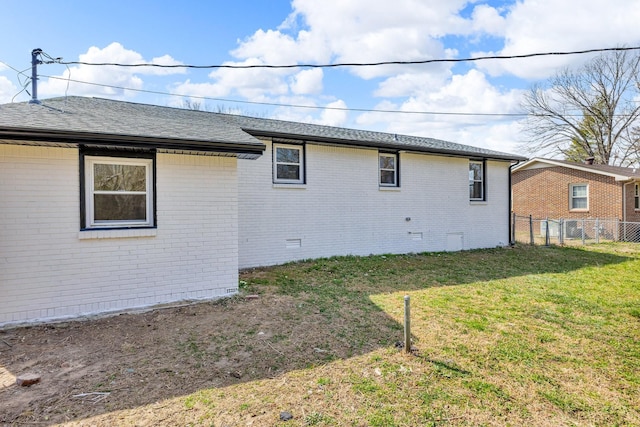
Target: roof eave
{"x": 382, "y": 145}
{"x": 615, "y": 176}
{"x": 135, "y": 141}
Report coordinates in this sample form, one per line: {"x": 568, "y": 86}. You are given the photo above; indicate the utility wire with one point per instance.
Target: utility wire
{"x": 312, "y": 107}
{"x": 349, "y": 64}
{"x": 530, "y": 55}
{"x": 274, "y": 104}
{"x": 20, "y": 75}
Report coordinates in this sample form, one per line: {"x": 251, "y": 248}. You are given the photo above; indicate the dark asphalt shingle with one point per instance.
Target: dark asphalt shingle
{"x": 177, "y": 126}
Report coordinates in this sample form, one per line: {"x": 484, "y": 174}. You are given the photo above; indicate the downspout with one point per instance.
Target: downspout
{"x": 509, "y": 206}
{"x": 624, "y": 208}
{"x": 624, "y": 198}
{"x": 624, "y": 201}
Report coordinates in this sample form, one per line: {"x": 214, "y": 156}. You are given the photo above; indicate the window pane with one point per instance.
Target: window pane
{"x": 579, "y": 203}
{"x": 475, "y": 171}
{"x": 120, "y": 207}
{"x": 288, "y": 172}
{"x": 288, "y": 155}
{"x": 109, "y": 177}
{"x": 387, "y": 162}
{"x": 579, "y": 191}
{"x": 387, "y": 177}
{"x": 475, "y": 190}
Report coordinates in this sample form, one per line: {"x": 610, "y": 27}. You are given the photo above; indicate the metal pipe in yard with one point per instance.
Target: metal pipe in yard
{"x": 407, "y": 324}
{"x": 547, "y": 241}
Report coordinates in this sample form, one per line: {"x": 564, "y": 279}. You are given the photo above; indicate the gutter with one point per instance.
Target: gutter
{"x": 512, "y": 242}
{"x": 624, "y": 198}
{"x": 384, "y": 145}
{"x": 76, "y": 138}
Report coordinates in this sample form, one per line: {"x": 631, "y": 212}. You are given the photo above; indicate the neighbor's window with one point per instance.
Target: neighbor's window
{"x": 578, "y": 197}
{"x": 476, "y": 180}
{"x": 388, "y": 163}
{"x": 118, "y": 192}
{"x": 288, "y": 164}
{"x": 636, "y": 198}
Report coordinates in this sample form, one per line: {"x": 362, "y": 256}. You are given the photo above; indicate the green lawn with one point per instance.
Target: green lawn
{"x": 518, "y": 336}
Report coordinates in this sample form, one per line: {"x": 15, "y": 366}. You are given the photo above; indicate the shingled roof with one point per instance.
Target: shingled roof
{"x": 93, "y": 121}
{"x": 619, "y": 173}
{"x": 79, "y": 120}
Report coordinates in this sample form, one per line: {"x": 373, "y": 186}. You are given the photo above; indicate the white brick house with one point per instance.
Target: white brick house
{"x": 58, "y": 260}
{"x": 362, "y": 193}
{"x": 107, "y": 206}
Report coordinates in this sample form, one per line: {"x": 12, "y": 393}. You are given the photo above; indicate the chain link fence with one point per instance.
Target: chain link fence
{"x": 547, "y": 231}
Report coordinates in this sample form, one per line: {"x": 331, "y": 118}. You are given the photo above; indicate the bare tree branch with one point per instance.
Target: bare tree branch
{"x": 589, "y": 112}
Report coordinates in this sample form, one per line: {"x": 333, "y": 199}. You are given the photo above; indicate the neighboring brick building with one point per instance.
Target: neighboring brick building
{"x": 547, "y": 188}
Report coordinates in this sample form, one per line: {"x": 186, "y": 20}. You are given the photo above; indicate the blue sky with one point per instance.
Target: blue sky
{"x": 317, "y": 32}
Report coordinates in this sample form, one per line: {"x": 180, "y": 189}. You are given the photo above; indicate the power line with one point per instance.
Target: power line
{"x": 67, "y": 63}
{"x": 312, "y": 107}
{"x": 274, "y": 104}
{"x": 349, "y": 64}
{"x": 20, "y": 74}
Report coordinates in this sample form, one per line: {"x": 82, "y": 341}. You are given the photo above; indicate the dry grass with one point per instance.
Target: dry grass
{"x": 537, "y": 336}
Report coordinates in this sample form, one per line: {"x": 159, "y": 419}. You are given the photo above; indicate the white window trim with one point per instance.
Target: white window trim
{"x": 395, "y": 170}
{"x": 482, "y": 197}
{"x": 89, "y": 161}
{"x": 636, "y": 197}
{"x": 300, "y": 164}
{"x": 571, "y": 186}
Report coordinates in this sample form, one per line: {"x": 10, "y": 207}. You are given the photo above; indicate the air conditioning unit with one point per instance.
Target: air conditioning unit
{"x": 554, "y": 228}
{"x": 572, "y": 229}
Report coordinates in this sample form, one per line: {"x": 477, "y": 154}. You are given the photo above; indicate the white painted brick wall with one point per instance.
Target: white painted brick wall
{"x": 341, "y": 210}
{"x": 48, "y": 272}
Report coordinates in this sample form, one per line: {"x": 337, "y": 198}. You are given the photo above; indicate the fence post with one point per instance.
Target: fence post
{"x": 407, "y": 324}
{"x": 531, "y": 230}
{"x": 547, "y": 239}
{"x": 597, "y": 230}
{"x": 561, "y": 232}
{"x": 583, "y": 236}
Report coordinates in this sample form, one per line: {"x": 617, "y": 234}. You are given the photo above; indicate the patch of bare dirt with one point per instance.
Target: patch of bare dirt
{"x": 126, "y": 361}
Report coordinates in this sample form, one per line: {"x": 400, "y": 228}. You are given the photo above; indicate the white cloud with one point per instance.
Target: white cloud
{"x": 408, "y": 84}
{"x": 117, "y": 77}
{"x": 197, "y": 90}
{"x": 274, "y": 47}
{"x": 563, "y": 25}
{"x": 335, "y": 115}
{"x": 252, "y": 83}
{"x": 307, "y": 82}
{"x": 359, "y": 31}
{"x": 467, "y": 93}
{"x": 339, "y": 31}
{"x": 487, "y": 19}
{"x": 7, "y": 90}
